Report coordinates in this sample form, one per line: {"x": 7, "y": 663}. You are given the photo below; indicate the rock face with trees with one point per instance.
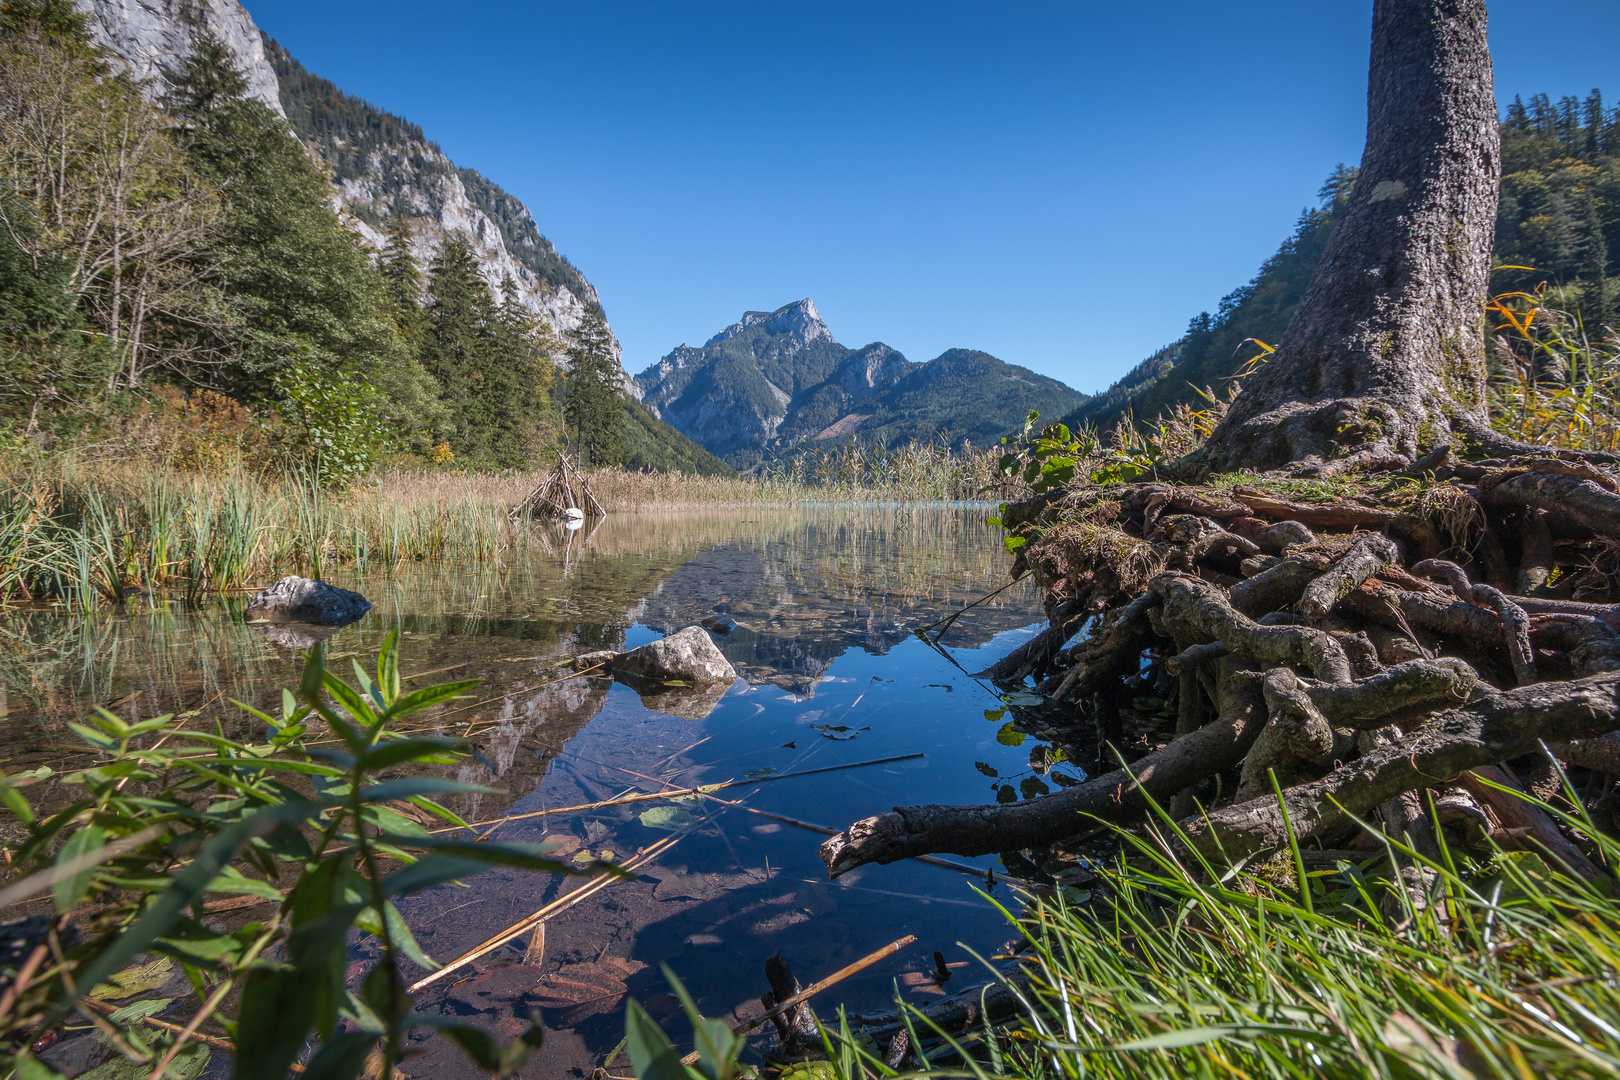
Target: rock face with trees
{"x": 1377, "y": 621}
{"x": 173, "y": 270}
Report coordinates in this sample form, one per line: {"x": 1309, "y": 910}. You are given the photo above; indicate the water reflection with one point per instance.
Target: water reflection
{"x": 825, "y": 602}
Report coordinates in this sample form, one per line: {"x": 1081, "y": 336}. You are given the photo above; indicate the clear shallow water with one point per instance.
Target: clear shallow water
{"x": 826, "y": 602}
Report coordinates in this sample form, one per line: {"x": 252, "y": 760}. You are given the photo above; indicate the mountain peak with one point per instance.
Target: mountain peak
{"x": 799, "y": 319}
{"x": 776, "y": 380}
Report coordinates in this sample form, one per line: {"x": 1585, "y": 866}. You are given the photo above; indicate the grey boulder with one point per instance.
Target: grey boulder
{"x": 690, "y": 655}
{"x": 298, "y": 599}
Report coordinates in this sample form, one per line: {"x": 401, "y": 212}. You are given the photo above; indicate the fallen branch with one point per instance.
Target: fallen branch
{"x": 815, "y": 988}
{"x": 908, "y": 831}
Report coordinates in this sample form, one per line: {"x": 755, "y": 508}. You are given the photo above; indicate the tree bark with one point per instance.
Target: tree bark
{"x": 1386, "y": 352}
{"x": 1495, "y": 729}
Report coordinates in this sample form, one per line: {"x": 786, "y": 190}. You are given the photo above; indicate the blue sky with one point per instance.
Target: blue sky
{"x": 1061, "y": 184}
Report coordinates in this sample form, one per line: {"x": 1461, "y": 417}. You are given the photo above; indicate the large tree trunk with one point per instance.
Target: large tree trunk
{"x": 1386, "y": 353}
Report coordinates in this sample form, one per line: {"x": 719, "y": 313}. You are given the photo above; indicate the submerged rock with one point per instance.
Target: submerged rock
{"x": 719, "y": 624}
{"x": 298, "y": 599}
{"x": 687, "y": 702}
{"x": 295, "y": 636}
{"x": 690, "y": 655}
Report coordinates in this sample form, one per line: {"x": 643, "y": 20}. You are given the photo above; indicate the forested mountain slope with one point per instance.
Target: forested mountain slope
{"x": 1559, "y": 215}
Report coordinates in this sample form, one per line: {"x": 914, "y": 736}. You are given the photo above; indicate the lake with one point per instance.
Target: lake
{"x": 827, "y": 601}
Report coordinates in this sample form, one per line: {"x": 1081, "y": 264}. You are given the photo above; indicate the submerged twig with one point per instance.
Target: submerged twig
{"x": 815, "y": 988}
{"x": 646, "y": 796}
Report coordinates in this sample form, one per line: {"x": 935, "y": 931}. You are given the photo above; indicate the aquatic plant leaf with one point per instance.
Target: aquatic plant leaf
{"x": 1006, "y": 794}
{"x": 1023, "y": 697}
{"x": 396, "y": 751}
{"x": 668, "y": 818}
{"x": 1008, "y": 735}
{"x": 1032, "y": 787}
{"x": 429, "y": 696}
{"x": 388, "y": 667}
{"x": 71, "y": 889}
{"x": 149, "y": 1007}
{"x": 516, "y": 856}
{"x": 995, "y": 716}
{"x": 189, "y": 1063}
{"x": 233, "y": 882}
{"x": 426, "y": 872}
{"x": 988, "y": 770}
{"x": 134, "y": 980}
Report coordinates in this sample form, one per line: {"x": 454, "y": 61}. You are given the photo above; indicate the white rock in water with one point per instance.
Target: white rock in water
{"x": 689, "y": 655}
{"x": 298, "y": 599}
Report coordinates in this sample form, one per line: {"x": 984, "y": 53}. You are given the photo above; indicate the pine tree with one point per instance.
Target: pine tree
{"x": 1592, "y": 115}
{"x": 593, "y": 408}
{"x": 517, "y": 382}
{"x": 460, "y": 317}
{"x": 301, "y": 284}
{"x": 206, "y": 80}
{"x": 398, "y": 265}
{"x": 415, "y": 406}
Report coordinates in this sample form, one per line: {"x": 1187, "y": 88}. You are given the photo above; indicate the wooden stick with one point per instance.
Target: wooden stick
{"x": 822, "y": 829}
{"x": 815, "y": 988}
{"x": 528, "y": 922}
{"x": 435, "y": 671}
{"x": 664, "y": 761}
{"x": 932, "y": 860}
{"x": 678, "y": 793}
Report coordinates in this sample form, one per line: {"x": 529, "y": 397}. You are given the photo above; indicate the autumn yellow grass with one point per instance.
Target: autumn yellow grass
{"x": 79, "y": 531}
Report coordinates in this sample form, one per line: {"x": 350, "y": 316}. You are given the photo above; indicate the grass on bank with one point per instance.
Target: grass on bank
{"x": 1502, "y": 965}
{"x": 81, "y": 531}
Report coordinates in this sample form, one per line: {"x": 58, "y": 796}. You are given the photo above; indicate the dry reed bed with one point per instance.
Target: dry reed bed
{"x": 81, "y": 532}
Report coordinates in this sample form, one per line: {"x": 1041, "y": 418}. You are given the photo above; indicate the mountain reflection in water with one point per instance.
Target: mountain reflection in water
{"x": 826, "y": 602}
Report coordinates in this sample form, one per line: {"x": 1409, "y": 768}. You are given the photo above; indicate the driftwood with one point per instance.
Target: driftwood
{"x": 1354, "y": 652}
{"x": 564, "y": 489}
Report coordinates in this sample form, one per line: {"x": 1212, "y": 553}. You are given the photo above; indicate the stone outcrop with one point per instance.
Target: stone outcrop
{"x": 689, "y": 655}
{"x": 305, "y": 600}
{"x": 152, "y": 37}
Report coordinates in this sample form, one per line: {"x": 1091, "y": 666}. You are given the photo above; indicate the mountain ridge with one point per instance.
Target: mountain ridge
{"x": 775, "y": 381}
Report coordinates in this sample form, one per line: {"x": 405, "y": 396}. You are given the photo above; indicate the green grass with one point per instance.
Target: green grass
{"x": 1503, "y": 966}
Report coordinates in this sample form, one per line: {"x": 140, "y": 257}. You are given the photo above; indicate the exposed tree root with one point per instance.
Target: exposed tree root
{"x": 1357, "y": 649}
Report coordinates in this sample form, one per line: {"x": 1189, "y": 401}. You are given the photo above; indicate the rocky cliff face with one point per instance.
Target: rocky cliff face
{"x": 775, "y": 381}
{"x": 151, "y": 37}
{"x": 381, "y": 165}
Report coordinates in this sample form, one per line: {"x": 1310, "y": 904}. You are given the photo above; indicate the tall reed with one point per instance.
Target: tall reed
{"x": 76, "y": 532}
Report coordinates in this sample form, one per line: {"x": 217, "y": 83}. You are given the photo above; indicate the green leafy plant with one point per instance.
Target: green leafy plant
{"x": 652, "y": 1058}
{"x": 158, "y": 828}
